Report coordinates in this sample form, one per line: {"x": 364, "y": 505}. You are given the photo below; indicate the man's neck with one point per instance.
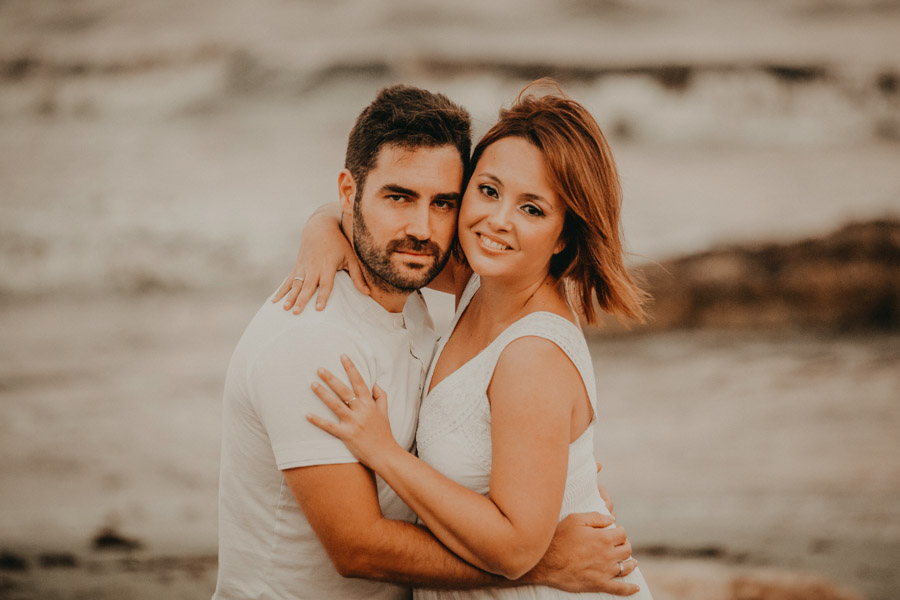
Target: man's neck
{"x": 392, "y": 299}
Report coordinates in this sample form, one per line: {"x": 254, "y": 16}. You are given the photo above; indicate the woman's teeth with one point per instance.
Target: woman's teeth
{"x": 492, "y": 244}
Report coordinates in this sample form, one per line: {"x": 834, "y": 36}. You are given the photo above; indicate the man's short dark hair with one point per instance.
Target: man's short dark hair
{"x": 407, "y": 117}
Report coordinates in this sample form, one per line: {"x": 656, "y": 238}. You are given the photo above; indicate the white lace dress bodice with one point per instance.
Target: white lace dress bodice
{"x": 454, "y": 434}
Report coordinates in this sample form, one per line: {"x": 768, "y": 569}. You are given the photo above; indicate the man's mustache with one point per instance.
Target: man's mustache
{"x": 411, "y": 244}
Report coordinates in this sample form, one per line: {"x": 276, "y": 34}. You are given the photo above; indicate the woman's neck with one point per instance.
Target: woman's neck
{"x": 502, "y": 301}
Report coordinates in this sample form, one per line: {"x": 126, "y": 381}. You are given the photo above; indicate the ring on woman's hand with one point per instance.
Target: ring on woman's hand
{"x": 350, "y": 401}
{"x": 300, "y": 279}
{"x": 621, "y": 570}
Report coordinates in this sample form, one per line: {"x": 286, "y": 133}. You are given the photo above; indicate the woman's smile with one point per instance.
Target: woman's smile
{"x": 492, "y": 243}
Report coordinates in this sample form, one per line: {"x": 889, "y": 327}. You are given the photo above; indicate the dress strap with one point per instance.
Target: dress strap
{"x": 471, "y": 287}
{"x": 468, "y": 292}
{"x": 559, "y": 330}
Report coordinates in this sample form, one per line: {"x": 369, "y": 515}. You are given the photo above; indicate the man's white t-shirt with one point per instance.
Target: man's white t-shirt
{"x": 266, "y": 546}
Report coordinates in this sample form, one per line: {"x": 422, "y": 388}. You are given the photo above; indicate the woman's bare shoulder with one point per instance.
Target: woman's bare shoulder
{"x": 537, "y": 364}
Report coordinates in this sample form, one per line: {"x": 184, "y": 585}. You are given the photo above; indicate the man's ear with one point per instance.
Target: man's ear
{"x": 346, "y": 191}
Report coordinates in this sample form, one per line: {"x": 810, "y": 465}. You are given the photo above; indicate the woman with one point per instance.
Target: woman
{"x": 505, "y": 438}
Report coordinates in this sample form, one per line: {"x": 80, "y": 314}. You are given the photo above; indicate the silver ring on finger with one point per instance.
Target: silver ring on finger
{"x": 300, "y": 279}
{"x": 621, "y": 570}
{"x": 350, "y": 402}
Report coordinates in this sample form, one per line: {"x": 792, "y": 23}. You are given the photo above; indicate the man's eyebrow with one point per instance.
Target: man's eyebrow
{"x": 393, "y": 188}
{"x": 454, "y": 196}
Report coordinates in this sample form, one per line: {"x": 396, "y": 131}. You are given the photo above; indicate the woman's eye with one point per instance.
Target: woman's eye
{"x": 488, "y": 190}
{"x": 532, "y": 210}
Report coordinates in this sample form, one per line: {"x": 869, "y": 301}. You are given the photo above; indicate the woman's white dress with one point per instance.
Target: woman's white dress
{"x": 454, "y": 434}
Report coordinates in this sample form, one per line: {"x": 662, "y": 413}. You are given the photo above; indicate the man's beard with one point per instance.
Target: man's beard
{"x": 377, "y": 261}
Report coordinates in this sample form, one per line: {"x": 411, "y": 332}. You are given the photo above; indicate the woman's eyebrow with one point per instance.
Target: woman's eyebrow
{"x": 535, "y": 198}
{"x": 490, "y": 176}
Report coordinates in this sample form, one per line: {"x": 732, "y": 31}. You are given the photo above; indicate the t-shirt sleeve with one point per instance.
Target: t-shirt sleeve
{"x": 279, "y": 382}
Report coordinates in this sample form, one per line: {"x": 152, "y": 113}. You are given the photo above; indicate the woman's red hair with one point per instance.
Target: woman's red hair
{"x": 581, "y": 168}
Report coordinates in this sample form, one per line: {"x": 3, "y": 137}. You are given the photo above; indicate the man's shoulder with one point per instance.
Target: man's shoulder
{"x": 276, "y": 329}
{"x": 345, "y": 303}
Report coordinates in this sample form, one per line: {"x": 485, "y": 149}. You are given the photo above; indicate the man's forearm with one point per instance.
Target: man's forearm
{"x": 341, "y": 504}
{"x": 583, "y": 557}
{"x": 407, "y": 554}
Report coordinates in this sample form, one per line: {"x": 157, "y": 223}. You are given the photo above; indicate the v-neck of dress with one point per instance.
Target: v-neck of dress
{"x": 468, "y": 293}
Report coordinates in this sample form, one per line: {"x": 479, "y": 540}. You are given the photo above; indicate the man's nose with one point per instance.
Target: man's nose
{"x": 419, "y": 224}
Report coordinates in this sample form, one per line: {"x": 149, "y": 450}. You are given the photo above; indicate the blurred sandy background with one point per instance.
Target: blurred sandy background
{"x": 158, "y": 160}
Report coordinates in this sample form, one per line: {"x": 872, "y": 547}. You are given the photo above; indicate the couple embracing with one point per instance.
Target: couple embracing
{"x": 363, "y": 458}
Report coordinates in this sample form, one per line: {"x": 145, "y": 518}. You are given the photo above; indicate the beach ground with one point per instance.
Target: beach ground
{"x": 769, "y": 455}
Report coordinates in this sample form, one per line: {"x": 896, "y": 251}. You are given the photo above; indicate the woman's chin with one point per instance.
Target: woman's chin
{"x": 490, "y": 268}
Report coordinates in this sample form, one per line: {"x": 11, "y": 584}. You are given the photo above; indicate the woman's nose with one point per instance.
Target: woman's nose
{"x": 500, "y": 215}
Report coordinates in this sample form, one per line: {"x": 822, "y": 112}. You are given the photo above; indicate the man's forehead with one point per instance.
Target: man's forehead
{"x": 399, "y": 154}
{"x": 420, "y": 170}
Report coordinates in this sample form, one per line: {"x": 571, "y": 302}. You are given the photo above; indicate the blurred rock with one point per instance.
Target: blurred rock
{"x": 57, "y": 560}
{"x": 110, "y": 539}
{"x": 702, "y": 552}
{"x": 10, "y": 561}
{"x": 846, "y": 281}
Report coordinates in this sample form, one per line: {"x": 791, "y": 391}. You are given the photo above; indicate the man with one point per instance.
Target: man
{"x": 299, "y": 517}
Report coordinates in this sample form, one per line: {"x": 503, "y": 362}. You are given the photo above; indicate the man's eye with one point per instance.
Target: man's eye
{"x": 396, "y": 198}
{"x": 445, "y": 204}
{"x": 488, "y": 190}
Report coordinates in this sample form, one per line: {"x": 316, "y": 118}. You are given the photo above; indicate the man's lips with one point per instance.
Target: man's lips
{"x": 414, "y": 255}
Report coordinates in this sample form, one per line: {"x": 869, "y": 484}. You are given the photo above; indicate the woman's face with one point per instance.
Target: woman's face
{"x": 511, "y": 218}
